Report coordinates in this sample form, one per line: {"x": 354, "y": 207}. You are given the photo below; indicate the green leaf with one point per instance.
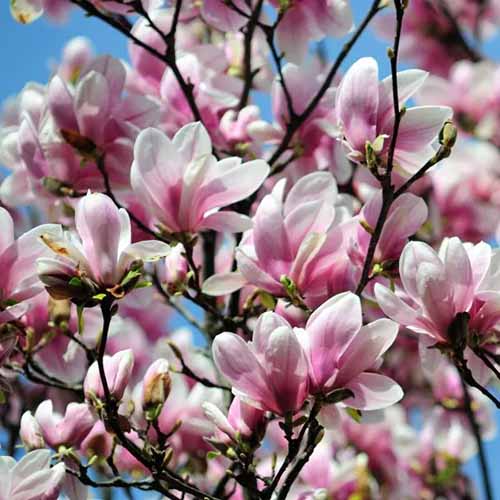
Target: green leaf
{"x": 143, "y": 284}
{"x": 338, "y": 395}
{"x": 213, "y": 454}
{"x": 354, "y": 414}
{"x": 268, "y": 301}
{"x": 99, "y": 296}
{"x": 131, "y": 275}
{"x": 74, "y": 281}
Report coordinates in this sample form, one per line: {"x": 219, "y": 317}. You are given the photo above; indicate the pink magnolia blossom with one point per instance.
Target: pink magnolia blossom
{"x": 309, "y": 20}
{"x": 185, "y": 405}
{"x": 365, "y": 115}
{"x": 31, "y": 478}
{"x": 293, "y": 238}
{"x": 271, "y": 371}
{"x": 182, "y": 183}
{"x": 105, "y": 253}
{"x": 436, "y": 287}
{"x": 176, "y": 270}
{"x": 117, "y": 368}
{"x": 68, "y": 430}
{"x": 214, "y": 89}
{"x": 406, "y": 216}
{"x": 342, "y": 353}
{"x": 465, "y": 202}
{"x": 27, "y": 11}
{"x": 94, "y": 118}
{"x": 471, "y": 89}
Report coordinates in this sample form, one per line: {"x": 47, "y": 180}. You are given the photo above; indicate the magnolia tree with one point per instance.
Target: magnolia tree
{"x": 331, "y": 262}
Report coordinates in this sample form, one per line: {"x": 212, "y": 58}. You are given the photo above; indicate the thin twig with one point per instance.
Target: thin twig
{"x": 488, "y": 490}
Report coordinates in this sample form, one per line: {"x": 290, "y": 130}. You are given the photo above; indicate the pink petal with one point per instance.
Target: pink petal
{"x": 256, "y": 276}
{"x": 92, "y": 105}
{"x": 373, "y": 392}
{"x": 409, "y": 82}
{"x": 318, "y": 186}
{"x": 238, "y": 364}
{"x": 420, "y": 126}
{"x": 357, "y": 103}
{"x": 226, "y": 221}
{"x": 413, "y": 256}
{"x": 224, "y": 283}
{"x": 222, "y": 17}
{"x": 458, "y": 272}
{"x": 60, "y": 102}
{"x": 98, "y": 223}
{"x": 330, "y": 330}
{"x": 366, "y": 348}
{"x": 286, "y": 369}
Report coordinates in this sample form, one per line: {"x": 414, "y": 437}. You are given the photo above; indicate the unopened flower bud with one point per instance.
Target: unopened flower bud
{"x": 176, "y": 270}
{"x": 156, "y": 384}
{"x": 117, "y": 368}
{"x": 448, "y": 135}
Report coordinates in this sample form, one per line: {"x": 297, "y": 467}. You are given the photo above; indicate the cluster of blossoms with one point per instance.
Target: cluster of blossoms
{"x": 218, "y": 302}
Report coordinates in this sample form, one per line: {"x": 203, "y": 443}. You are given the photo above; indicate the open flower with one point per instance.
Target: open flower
{"x": 184, "y": 186}
{"x": 117, "y": 369}
{"x": 365, "y": 116}
{"x": 293, "y": 240}
{"x": 342, "y": 353}
{"x": 436, "y": 287}
{"x": 270, "y": 372}
{"x": 68, "y": 430}
{"x": 103, "y": 259}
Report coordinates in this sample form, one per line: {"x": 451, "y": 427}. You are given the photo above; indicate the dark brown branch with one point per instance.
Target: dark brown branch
{"x": 386, "y": 181}
{"x": 248, "y": 73}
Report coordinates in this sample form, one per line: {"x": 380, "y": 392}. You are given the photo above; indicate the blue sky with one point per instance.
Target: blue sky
{"x": 26, "y": 53}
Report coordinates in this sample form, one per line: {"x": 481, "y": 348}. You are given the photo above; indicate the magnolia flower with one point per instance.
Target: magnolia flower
{"x": 365, "y": 116}
{"x": 183, "y": 184}
{"x": 105, "y": 255}
{"x": 342, "y": 353}
{"x": 19, "y": 281}
{"x": 310, "y": 20}
{"x": 117, "y": 369}
{"x": 68, "y": 430}
{"x": 271, "y": 371}
{"x": 405, "y": 217}
{"x": 292, "y": 239}
{"x": 435, "y": 287}
{"x": 31, "y": 478}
